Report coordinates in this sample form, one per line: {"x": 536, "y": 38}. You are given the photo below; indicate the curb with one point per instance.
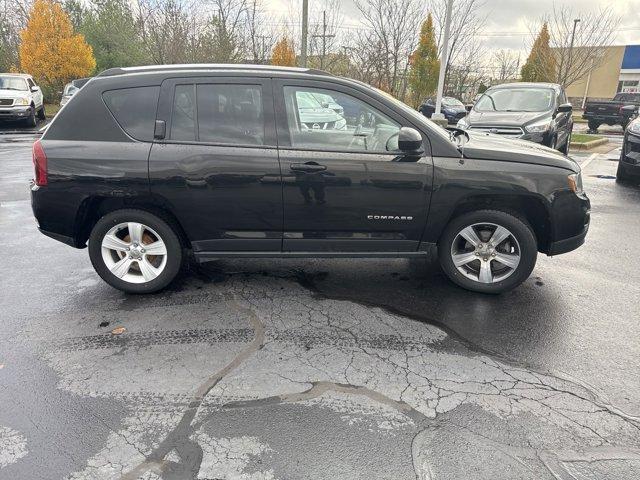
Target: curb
{"x": 588, "y": 145}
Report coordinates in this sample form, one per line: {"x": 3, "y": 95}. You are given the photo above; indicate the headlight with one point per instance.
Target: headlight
{"x": 575, "y": 183}
{"x": 21, "y": 101}
{"x": 634, "y": 126}
{"x": 462, "y": 123}
{"x": 539, "y": 127}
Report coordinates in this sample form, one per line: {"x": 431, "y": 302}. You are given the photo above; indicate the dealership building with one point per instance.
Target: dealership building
{"x": 619, "y": 71}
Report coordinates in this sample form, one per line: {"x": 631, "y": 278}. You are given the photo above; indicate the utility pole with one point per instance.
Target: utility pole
{"x": 443, "y": 62}
{"x": 324, "y": 37}
{"x": 305, "y": 28}
{"x": 573, "y": 37}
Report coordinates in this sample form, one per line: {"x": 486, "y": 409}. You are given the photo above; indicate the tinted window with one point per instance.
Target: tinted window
{"x": 516, "y": 100}
{"x": 134, "y": 109}
{"x": 183, "y": 119}
{"x": 230, "y": 114}
{"x": 346, "y": 123}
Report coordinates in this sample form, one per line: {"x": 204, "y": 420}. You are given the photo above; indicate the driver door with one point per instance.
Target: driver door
{"x": 346, "y": 187}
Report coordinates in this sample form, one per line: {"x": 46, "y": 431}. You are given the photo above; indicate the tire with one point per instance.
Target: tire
{"x": 593, "y": 125}
{"x": 567, "y": 144}
{"x": 140, "y": 271}
{"x": 31, "y": 120}
{"x": 42, "y": 115}
{"x": 520, "y": 244}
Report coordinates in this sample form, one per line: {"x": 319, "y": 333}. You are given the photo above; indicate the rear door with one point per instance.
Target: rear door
{"x": 346, "y": 187}
{"x": 217, "y": 166}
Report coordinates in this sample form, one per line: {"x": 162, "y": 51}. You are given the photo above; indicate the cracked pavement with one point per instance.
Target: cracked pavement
{"x": 248, "y": 369}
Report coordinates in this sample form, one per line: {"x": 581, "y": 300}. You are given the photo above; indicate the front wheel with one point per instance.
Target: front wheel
{"x": 135, "y": 251}
{"x": 567, "y": 145}
{"x": 42, "y": 115}
{"x": 31, "y": 119}
{"x": 488, "y": 251}
{"x": 593, "y": 125}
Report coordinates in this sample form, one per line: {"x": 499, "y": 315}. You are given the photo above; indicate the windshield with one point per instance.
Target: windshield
{"x": 516, "y": 100}
{"x": 14, "y": 83}
{"x": 452, "y": 102}
{"x": 305, "y": 100}
{"x": 70, "y": 89}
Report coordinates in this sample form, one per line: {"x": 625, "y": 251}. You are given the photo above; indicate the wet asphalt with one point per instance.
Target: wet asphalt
{"x": 296, "y": 369}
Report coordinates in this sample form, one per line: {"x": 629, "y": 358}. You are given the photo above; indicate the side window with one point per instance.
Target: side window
{"x": 134, "y": 109}
{"x": 31, "y": 82}
{"x": 321, "y": 119}
{"x": 183, "y": 117}
{"x": 230, "y": 114}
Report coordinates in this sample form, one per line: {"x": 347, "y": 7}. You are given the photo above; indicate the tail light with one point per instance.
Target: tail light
{"x": 39, "y": 164}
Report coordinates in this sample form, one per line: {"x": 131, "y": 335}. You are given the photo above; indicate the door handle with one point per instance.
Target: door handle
{"x": 307, "y": 167}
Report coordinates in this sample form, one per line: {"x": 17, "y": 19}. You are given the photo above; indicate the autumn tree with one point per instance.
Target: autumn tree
{"x": 540, "y": 65}
{"x": 425, "y": 67}
{"x": 283, "y": 53}
{"x": 50, "y": 50}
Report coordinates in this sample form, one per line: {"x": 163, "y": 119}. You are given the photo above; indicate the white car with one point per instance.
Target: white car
{"x": 20, "y": 98}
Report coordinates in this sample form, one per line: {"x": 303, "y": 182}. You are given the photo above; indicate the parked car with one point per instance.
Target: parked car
{"x": 20, "y": 99}
{"x": 149, "y": 165}
{"x": 610, "y": 112}
{"x": 452, "y": 108}
{"x": 315, "y": 115}
{"x": 629, "y": 164}
{"x": 71, "y": 88}
{"x": 538, "y": 112}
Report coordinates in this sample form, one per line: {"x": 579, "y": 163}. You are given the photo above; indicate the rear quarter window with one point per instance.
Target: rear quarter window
{"x": 134, "y": 109}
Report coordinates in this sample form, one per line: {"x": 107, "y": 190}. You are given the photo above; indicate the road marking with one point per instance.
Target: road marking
{"x": 586, "y": 163}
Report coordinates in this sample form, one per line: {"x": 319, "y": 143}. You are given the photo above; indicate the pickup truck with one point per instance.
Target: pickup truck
{"x": 611, "y": 112}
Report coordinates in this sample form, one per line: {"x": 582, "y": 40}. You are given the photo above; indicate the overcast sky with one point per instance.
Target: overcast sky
{"x": 507, "y": 20}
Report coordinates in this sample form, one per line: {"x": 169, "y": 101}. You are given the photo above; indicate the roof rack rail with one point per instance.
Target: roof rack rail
{"x": 209, "y": 66}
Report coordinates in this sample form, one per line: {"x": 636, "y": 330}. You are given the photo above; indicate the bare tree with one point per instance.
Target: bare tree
{"x": 575, "y": 57}
{"x": 324, "y": 34}
{"x": 506, "y": 65}
{"x": 466, "y": 23}
{"x": 386, "y": 42}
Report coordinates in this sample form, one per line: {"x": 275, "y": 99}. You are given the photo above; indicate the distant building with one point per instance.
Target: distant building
{"x": 618, "y": 72}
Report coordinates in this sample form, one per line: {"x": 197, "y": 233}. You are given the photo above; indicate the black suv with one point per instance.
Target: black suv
{"x": 149, "y": 165}
{"x": 538, "y": 112}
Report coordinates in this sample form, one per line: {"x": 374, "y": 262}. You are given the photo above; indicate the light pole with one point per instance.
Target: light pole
{"x": 305, "y": 27}
{"x": 443, "y": 62}
{"x": 573, "y": 37}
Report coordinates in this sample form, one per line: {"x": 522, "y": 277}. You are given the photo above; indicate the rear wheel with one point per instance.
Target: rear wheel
{"x": 593, "y": 125}
{"x": 135, "y": 251}
{"x": 567, "y": 145}
{"x": 488, "y": 251}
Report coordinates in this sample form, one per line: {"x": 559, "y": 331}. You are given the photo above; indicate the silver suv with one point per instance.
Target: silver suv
{"x": 20, "y": 98}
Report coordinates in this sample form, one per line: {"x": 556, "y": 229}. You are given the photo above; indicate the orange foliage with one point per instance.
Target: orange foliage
{"x": 50, "y": 50}
{"x": 283, "y": 53}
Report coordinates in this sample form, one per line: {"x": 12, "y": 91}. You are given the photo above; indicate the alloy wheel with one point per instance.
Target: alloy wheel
{"x": 486, "y": 252}
{"x": 134, "y": 253}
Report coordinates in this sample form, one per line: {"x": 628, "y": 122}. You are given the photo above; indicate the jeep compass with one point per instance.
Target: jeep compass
{"x": 149, "y": 166}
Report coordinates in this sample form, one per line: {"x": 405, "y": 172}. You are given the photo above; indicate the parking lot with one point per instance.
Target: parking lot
{"x": 323, "y": 369}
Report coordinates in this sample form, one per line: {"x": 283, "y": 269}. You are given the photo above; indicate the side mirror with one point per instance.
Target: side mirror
{"x": 468, "y": 107}
{"x": 565, "y": 108}
{"x": 35, "y": 89}
{"x": 409, "y": 140}
{"x": 629, "y": 109}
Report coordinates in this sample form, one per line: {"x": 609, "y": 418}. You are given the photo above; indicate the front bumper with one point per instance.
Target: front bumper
{"x": 568, "y": 244}
{"x": 15, "y": 113}
{"x": 571, "y": 218}
{"x": 630, "y": 155}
